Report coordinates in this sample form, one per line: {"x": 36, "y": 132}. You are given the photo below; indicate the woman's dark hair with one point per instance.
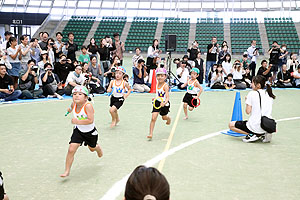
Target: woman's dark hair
{"x": 259, "y": 79}
{"x": 59, "y": 33}
{"x": 153, "y": 44}
{"x": 91, "y": 43}
{"x": 71, "y": 33}
{"x": 239, "y": 66}
{"x": 82, "y": 64}
{"x": 147, "y": 181}
{"x": 50, "y": 39}
{"x": 225, "y": 43}
{"x": 229, "y": 58}
{"x": 292, "y": 55}
{"x": 33, "y": 39}
{"x": 101, "y": 45}
{"x": 219, "y": 65}
{"x": 92, "y": 57}
{"x": 23, "y": 37}
{"x": 11, "y": 39}
{"x": 47, "y": 64}
{"x": 47, "y": 57}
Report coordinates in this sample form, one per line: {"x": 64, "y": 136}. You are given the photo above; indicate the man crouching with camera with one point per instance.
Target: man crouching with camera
{"x": 74, "y": 78}
{"x": 27, "y": 81}
{"x": 52, "y": 86}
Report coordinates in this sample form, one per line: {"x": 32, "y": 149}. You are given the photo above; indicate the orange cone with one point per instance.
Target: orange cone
{"x": 153, "y": 83}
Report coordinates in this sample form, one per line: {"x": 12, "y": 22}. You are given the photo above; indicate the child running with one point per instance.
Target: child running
{"x": 162, "y": 96}
{"x": 84, "y": 126}
{"x": 194, "y": 90}
{"x": 117, "y": 87}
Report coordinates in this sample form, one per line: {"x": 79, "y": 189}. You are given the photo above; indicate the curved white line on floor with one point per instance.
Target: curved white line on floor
{"x": 119, "y": 186}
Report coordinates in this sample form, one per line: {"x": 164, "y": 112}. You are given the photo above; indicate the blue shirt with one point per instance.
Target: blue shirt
{"x": 136, "y": 79}
{"x": 37, "y": 55}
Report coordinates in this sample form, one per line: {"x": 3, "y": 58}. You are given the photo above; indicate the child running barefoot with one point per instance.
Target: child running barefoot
{"x": 162, "y": 93}
{"x": 194, "y": 89}
{"x": 117, "y": 87}
{"x": 84, "y": 126}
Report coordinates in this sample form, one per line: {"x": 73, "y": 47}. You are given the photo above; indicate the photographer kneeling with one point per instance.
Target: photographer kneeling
{"x": 74, "y": 78}
{"x": 27, "y": 81}
{"x": 139, "y": 73}
{"x": 52, "y": 87}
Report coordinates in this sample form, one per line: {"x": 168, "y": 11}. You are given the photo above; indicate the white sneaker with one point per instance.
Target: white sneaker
{"x": 266, "y": 138}
{"x": 250, "y": 138}
{"x": 59, "y": 97}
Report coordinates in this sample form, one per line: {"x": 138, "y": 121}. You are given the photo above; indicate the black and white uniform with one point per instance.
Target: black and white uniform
{"x": 84, "y": 133}
{"x": 160, "y": 93}
{"x": 117, "y": 98}
{"x": 192, "y": 91}
{"x": 2, "y": 192}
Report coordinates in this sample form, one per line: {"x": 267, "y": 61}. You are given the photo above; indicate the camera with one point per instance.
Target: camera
{"x": 238, "y": 64}
{"x": 113, "y": 69}
{"x": 52, "y": 43}
{"x": 64, "y": 60}
{"x": 48, "y": 69}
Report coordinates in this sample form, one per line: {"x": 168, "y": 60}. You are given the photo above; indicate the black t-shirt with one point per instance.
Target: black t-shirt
{"x": 274, "y": 56}
{"x": 261, "y": 70}
{"x": 50, "y": 79}
{"x": 2, "y": 192}
{"x": 72, "y": 48}
{"x": 283, "y": 76}
{"x": 193, "y": 53}
{"x": 93, "y": 49}
{"x": 5, "y": 81}
{"x": 43, "y": 45}
{"x": 213, "y": 55}
{"x": 62, "y": 70}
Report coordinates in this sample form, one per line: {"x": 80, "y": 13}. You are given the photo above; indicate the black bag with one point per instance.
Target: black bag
{"x": 267, "y": 123}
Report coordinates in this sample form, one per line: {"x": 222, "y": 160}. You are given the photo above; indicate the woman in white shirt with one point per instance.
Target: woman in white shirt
{"x": 217, "y": 78}
{"x": 237, "y": 72}
{"x": 14, "y": 52}
{"x": 252, "y": 127}
{"x": 182, "y": 73}
{"x": 153, "y": 52}
{"x": 226, "y": 64}
{"x": 292, "y": 63}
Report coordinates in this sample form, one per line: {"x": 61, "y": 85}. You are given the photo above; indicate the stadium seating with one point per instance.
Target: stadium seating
{"x": 283, "y": 31}
{"x": 109, "y": 26}
{"x": 80, "y": 26}
{"x": 243, "y": 30}
{"x": 181, "y": 28}
{"x": 206, "y": 28}
{"x": 141, "y": 33}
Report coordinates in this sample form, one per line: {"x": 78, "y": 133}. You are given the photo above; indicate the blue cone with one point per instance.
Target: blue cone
{"x": 237, "y": 115}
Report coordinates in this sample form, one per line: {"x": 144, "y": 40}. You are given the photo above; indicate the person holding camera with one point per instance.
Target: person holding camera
{"x": 237, "y": 72}
{"x": 120, "y": 47}
{"x": 139, "y": 73}
{"x": 7, "y": 91}
{"x": 36, "y": 50}
{"x": 283, "y": 56}
{"x": 110, "y": 74}
{"x": 74, "y": 78}
{"x": 253, "y": 53}
{"x": 27, "y": 81}
{"x": 106, "y": 46}
{"x": 95, "y": 78}
{"x": 63, "y": 67}
{"x": 193, "y": 51}
{"x": 292, "y": 63}
{"x": 182, "y": 74}
{"x": 71, "y": 47}
{"x": 217, "y": 78}
{"x": 265, "y": 71}
{"x": 211, "y": 58}
{"x": 275, "y": 53}
{"x": 52, "y": 86}
{"x": 224, "y": 51}
{"x": 44, "y": 41}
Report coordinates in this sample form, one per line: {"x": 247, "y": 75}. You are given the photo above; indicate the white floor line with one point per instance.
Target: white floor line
{"x": 119, "y": 186}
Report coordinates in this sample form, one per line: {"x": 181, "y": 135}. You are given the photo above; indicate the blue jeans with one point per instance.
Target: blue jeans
{"x": 10, "y": 97}
{"x": 209, "y": 66}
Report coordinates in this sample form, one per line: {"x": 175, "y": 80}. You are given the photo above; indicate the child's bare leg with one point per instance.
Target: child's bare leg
{"x": 166, "y": 117}
{"x": 112, "y": 112}
{"x": 117, "y": 117}
{"x": 98, "y": 149}
{"x": 6, "y": 197}
{"x": 70, "y": 157}
{"x": 185, "y": 111}
{"x": 152, "y": 123}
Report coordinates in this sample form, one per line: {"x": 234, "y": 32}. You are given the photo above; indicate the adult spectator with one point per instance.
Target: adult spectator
{"x": 211, "y": 57}
{"x": 253, "y": 53}
{"x": 199, "y": 63}
{"x": 92, "y": 49}
{"x": 14, "y": 53}
{"x": 189, "y": 63}
{"x": 284, "y": 78}
{"x": 60, "y": 46}
{"x": 41, "y": 64}
{"x": 139, "y": 73}
{"x": 4, "y": 59}
{"x": 193, "y": 51}
{"x": 92, "y": 80}
{"x": 95, "y": 70}
{"x": 74, "y": 78}
{"x": 27, "y": 80}
{"x": 222, "y": 54}
{"x": 147, "y": 183}
{"x": 137, "y": 56}
{"x": 51, "y": 49}
{"x": 36, "y": 50}
{"x": 44, "y": 41}
{"x": 63, "y": 67}
{"x": 104, "y": 51}
{"x": 7, "y": 35}
{"x": 264, "y": 70}
{"x": 84, "y": 57}
{"x": 237, "y": 73}
{"x": 52, "y": 86}
{"x": 275, "y": 53}
{"x": 182, "y": 73}
{"x": 292, "y": 63}
{"x": 283, "y": 56}
{"x": 7, "y": 91}
{"x": 227, "y": 66}
{"x": 71, "y": 47}
{"x": 244, "y": 61}
{"x": 3, "y": 195}
{"x": 153, "y": 52}
{"x": 296, "y": 75}
{"x": 247, "y": 78}
{"x": 120, "y": 47}
{"x": 40, "y": 36}
{"x": 217, "y": 79}
{"x": 110, "y": 74}
{"x": 26, "y": 51}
